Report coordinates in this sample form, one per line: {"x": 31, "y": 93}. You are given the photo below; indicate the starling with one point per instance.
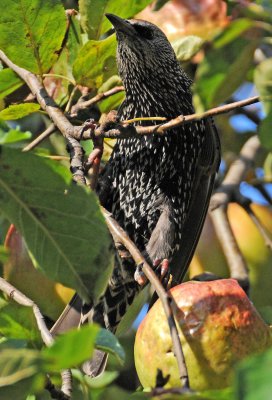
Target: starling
{"x": 157, "y": 187}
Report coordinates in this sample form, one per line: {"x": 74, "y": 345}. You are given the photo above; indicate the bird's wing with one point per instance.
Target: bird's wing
{"x": 70, "y": 317}
{"x": 203, "y": 186}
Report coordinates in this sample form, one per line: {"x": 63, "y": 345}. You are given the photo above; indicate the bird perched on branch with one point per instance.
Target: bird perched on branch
{"x": 157, "y": 187}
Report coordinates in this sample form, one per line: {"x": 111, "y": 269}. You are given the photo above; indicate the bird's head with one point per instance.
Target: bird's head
{"x": 142, "y": 47}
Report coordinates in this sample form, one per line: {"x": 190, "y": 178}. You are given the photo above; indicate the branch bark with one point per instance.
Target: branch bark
{"x": 238, "y": 169}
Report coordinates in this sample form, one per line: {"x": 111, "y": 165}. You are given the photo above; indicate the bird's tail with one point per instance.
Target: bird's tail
{"x": 107, "y": 312}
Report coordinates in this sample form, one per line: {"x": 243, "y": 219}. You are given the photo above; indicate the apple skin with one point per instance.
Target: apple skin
{"x": 51, "y": 297}
{"x": 218, "y": 326}
{"x": 182, "y": 18}
{"x": 209, "y": 255}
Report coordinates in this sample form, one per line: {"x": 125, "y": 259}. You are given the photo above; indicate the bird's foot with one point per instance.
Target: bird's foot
{"x": 88, "y": 124}
{"x": 161, "y": 268}
{"x": 162, "y": 271}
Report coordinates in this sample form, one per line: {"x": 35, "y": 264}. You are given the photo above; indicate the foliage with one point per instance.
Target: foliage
{"x": 61, "y": 223}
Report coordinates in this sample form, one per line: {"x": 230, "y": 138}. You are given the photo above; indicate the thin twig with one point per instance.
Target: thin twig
{"x": 47, "y": 338}
{"x": 237, "y": 172}
{"x": 178, "y": 121}
{"x": 44, "y": 135}
{"x": 257, "y": 222}
{"x": 69, "y": 104}
{"x": 261, "y": 188}
{"x": 120, "y": 236}
{"x": 235, "y": 259}
{"x": 100, "y": 96}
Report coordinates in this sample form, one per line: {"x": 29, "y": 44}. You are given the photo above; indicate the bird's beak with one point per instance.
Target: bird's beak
{"x": 120, "y": 24}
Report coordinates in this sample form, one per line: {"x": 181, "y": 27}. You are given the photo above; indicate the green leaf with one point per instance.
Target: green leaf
{"x": 4, "y": 255}
{"x": 61, "y": 223}
{"x": 71, "y": 348}
{"x": 186, "y": 47}
{"x": 132, "y": 311}
{"x": 95, "y": 62}
{"x": 31, "y": 32}
{"x": 93, "y": 12}
{"x": 268, "y": 167}
{"x": 18, "y": 322}
{"x": 9, "y": 82}
{"x": 68, "y": 55}
{"x": 13, "y": 136}
{"x": 222, "y": 394}
{"x": 115, "y": 392}
{"x": 265, "y": 131}
{"x": 18, "y": 364}
{"x": 114, "y": 101}
{"x": 159, "y": 4}
{"x": 233, "y": 31}
{"x": 253, "y": 378}
{"x": 263, "y": 82}
{"x": 222, "y": 71}
{"x": 18, "y": 111}
{"x": 102, "y": 380}
{"x": 108, "y": 342}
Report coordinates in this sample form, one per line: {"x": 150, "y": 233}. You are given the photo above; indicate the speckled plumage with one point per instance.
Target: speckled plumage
{"x": 157, "y": 187}
{"x": 152, "y": 176}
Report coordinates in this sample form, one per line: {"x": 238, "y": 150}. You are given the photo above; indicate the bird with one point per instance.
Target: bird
{"x": 157, "y": 187}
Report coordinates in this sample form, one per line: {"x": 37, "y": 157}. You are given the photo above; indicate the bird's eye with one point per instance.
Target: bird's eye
{"x": 144, "y": 31}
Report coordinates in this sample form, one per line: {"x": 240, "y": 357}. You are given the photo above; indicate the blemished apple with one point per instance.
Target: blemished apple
{"x": 209, "y": 255}
{"x": 218, "y": 326}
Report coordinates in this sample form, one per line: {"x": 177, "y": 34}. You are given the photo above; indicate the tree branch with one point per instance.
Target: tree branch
{"x": 237, "y": 264}
{"x": 100, "y": 96}
{"x": 44, "y": 135}
{"x": 229, "y": 191}
{"x": 237, "y": 172}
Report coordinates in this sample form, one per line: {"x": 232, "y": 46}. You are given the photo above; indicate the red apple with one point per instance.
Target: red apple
{"x": 218, "y": 326}
{"x": 179, "y": 18}
{"x": 209, "y": 255}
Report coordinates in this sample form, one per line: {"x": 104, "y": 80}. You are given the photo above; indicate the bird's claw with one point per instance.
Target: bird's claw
{"x": 139, "y": 275}
{"x": 88, "y": 124}
{"x": 161, "y": 268}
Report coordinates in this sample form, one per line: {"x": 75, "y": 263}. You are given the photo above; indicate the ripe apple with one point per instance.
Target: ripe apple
{"x": 218, "y": 326}
{"x": 210, "y": 257}
{"x": 51, "y": 297}
{"x": 179, "y": 18}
